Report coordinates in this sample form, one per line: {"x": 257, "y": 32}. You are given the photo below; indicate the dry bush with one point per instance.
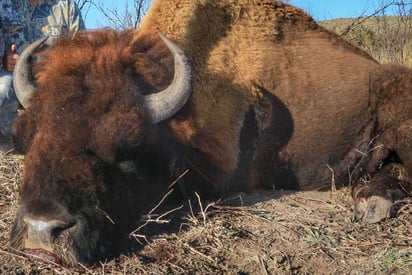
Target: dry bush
{"x": 387, "y": 38}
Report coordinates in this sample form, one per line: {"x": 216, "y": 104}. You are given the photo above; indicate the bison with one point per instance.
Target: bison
{"x": 270, "y": 100}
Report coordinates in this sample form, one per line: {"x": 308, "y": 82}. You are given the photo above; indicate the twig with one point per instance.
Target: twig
{"x": 198, "y": 253}
{"x": 85, "y": 268}
{"x": 362, "y": 18}
{"x": 333, "y": 183}
{"x": 263, "y": 266}
{"x": 167, "y": 192}
{"x": 369, "y": 149}
{"x": 28, "y": 255}
{"x": 160, "y": 202}
{"x": 176, "y": 266}
{"x": 105, "y": 214}
{"x": 162, "y": 199}
{"x": 137, "y": 236}
{"x": 13, "y": 254}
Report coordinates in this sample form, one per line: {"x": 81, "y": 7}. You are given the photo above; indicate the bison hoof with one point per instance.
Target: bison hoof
{"x": 373, "y": 209}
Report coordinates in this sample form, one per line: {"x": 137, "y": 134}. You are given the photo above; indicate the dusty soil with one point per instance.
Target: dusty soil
{"x": 262, "y": 233}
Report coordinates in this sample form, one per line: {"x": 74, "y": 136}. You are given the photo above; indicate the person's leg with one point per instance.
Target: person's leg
{"x": 8, "y": 111}
{"x": 6, "y": 82}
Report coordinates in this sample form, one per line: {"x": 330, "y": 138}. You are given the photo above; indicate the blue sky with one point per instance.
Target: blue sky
{"x": 330, "y": 9}
{"x": 319, "y": 9}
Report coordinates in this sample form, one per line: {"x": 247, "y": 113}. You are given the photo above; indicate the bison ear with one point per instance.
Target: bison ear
{"x": 116, "y": 133}
{"x": 24, "y": 130}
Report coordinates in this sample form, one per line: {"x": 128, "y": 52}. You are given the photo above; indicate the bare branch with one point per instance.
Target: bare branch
{"x": 363, "y": 17}
{"x": 126, "y": 17}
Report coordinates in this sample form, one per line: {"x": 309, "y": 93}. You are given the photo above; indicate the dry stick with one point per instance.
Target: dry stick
{"x": 198, "y": 171}
{"x": 324, "y": 252}
{"x": 360, "y": 19}
{"x": 28, "y": 255}
{"x": 263, "y": 266}
{"x": 105, "y": 214}
{"x": 176, "y": 266}
{"x": 333, "y": 183}
{"x": 140, "y": 236}
{"x": 85, "y": 268}
{"x": 203, "y": 211}
{"x": 162, "y": 199}
{"x": 13, "y": 255}
{"x": 199, "y": 253}
{"x": 201, "y": 208}
{"x": 364, "y": 155}
{"x": 159, "y": 219}
{"x": 168, "y": 191}
{"x": 103, "y": 266}
{"x": 7, "y": 152}
{"x": 192, "y": 216}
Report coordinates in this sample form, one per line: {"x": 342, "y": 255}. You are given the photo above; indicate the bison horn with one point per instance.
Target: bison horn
{"x": 166, "y": 103}
{"x": 22, "y": 82}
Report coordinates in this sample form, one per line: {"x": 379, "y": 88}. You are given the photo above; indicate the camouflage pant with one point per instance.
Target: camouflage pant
{"x": 8, "y": 103}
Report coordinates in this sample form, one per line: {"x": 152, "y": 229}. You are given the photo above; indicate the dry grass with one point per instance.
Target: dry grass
{"x": 262, "y": 233}
{"x": 387, "y": 38}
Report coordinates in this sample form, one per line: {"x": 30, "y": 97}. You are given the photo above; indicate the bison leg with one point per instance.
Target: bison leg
{"x": 374, "y": 201}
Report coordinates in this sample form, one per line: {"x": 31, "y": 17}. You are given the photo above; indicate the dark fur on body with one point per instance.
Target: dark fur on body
{"x": 276, "y": 100}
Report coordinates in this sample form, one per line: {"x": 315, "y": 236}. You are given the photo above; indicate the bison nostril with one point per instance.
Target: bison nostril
{"x": 57, "y": 231}
{"x": 45, "y": 231}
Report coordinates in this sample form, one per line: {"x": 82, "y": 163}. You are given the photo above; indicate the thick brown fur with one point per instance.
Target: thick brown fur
{"x": 320, "y": 81}
{"x": 278, "y": 102}
{"x": 85, "y": 124}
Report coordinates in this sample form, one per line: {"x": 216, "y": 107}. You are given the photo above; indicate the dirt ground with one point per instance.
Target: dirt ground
{"x": 263, "y": 233}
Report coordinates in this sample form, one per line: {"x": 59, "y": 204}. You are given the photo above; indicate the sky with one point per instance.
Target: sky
{"x": 319, "y": 9}
{"x": 332, "y": 9}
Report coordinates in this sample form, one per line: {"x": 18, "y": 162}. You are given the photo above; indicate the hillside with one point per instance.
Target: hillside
{"x": 387, "y": 38}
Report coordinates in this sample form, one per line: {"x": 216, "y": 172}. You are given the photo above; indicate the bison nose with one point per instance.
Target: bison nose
{"x": 42, "y": 233}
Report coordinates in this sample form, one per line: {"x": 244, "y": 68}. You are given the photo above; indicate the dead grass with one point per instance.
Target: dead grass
{"x": 262, "y": 233}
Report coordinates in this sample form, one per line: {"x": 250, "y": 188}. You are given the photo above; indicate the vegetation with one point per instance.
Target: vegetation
{"x": 387, "y": 38}
{"x": 117, "y": 17}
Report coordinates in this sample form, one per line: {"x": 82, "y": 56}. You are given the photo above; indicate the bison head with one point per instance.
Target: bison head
{"x": 97, "y": 154}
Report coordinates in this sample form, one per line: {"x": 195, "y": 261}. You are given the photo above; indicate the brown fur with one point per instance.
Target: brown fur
{"x": 322, "y": 81}
{"x": 277, "y": 102}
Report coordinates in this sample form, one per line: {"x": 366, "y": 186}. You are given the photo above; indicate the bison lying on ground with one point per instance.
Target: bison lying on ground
{"x": 277, "y": 102}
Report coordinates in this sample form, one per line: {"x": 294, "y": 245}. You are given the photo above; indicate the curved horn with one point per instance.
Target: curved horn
{"x": 166, "y": 103}
{"x": 22, "y": 82}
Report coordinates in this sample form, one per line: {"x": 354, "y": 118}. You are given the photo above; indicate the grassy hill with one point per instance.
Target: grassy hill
{"x": 386, "y": 38}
